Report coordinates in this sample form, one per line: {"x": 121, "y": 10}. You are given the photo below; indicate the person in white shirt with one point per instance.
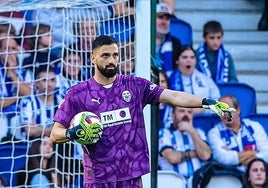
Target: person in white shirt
{"x": 185, "y": 77}
{"x": 182, "y": 147}
{"x": 37, "y": 110}
{"x": 238, "y": 141}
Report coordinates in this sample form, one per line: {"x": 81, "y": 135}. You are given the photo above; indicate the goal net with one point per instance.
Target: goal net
{"x": 45, "y": 48}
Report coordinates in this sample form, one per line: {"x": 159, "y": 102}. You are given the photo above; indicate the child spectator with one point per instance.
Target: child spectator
{"x": 212, "y": 58}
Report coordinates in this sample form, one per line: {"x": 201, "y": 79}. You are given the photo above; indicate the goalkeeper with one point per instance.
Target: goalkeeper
{"x": 120, "y": 157}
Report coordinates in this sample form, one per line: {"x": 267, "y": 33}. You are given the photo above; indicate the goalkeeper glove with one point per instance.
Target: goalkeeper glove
{"x": 218, "y": 107}
{"x": 88, "y": 133}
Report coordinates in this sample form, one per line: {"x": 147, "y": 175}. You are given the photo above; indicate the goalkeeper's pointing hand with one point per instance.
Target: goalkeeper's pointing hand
{"x": 89, "y": 133}
{"x": 218, "y": 107}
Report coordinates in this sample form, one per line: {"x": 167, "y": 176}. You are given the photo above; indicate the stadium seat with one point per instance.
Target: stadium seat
{"x": 121, "y": 29}
{"x": 245, "y": 94}
{"x": 205, "y": 121}
{"x": 181, "y": 30}
{"x": 166, "y": 179}
{"x": 261, "y": 118}
{"x": 222, "y": 181}
{"x": 12, "y": 158}
{"x": 170, "y": 179}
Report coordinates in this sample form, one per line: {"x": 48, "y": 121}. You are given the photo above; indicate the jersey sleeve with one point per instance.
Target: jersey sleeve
{"x": 66, "y": 109}
{"x": 150, "y": 91}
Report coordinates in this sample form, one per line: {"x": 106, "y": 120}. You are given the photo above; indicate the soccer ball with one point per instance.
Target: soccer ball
{"x": 90, "y": 118}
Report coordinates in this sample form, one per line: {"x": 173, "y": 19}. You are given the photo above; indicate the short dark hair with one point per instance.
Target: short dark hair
{"x": 212, "y": 27}
{"x": 103, "y": 40}
{"x": 7, "y": 28}
{"x": 182, "y": 49}
{"x": 42, "y": 68}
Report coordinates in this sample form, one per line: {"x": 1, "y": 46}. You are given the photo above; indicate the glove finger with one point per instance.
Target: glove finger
{"x": 222, "y": 105}
{"x": 95, "y": 126}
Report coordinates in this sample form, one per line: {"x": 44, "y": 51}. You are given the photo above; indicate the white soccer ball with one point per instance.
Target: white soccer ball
{"x": 90, "y": 119}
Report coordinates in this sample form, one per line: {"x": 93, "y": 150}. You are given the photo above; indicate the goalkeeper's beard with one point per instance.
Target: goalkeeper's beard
{"x": 108, "y": 73}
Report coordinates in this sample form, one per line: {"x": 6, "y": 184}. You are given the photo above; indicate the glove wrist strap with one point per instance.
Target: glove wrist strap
{"x": 206, "y": 102}
{"x": 69, "y": 134}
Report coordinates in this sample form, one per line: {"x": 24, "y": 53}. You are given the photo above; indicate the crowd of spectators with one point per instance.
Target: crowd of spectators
{"x": 43, "y": 53}
{"x": 199, "y": 71}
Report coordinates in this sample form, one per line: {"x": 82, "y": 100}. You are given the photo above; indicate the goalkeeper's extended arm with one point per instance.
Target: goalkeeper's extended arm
{"x": 218, "y": 107}
{"x": 84, "y": 131}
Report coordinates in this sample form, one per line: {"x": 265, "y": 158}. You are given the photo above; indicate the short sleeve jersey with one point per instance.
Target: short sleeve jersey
{"x": 122, "y": 152}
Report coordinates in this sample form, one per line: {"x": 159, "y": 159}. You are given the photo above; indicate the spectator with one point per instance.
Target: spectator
{"x": 187, "y": 78}
{"x": 39, "y": 170}
{"x": 182, "y": 147}
{"x": 40, "y": 54}
{"x": 127, "y": 57}
{"x": 56, "y": 19}
{"x": 17, "y": 20}
{"x": 167, "y": 46}
{"x": 86, "y": 30}
{"x": 165, "y": 109}
{"x": 72, "y": 70}
{"x": 37, "y": 110}
{"x": 256, "y": 174}
{"x": 6, "y": 30}
{"x": 263, "y": 22}
{"x": 238, "y": 141}
{"x": 212, "y": 58}
{"x": 14, "y": 83}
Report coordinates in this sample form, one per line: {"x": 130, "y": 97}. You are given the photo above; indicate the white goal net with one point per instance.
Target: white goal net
{"x": 45, "y": 48}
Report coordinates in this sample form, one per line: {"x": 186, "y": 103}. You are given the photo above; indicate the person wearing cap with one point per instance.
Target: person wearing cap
{"x": 167, "y": 46}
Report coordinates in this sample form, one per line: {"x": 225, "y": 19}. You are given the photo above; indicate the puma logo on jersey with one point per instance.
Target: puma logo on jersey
{"x": 96, "y": 100}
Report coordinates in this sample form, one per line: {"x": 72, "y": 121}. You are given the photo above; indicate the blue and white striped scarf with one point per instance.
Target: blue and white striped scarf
{"x": 221, "y": 63}
{"x": 247, "y": 139}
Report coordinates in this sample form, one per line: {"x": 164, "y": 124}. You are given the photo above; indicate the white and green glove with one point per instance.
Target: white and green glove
{"x": 85, "y": 133}
{"x": 218, "y": 107}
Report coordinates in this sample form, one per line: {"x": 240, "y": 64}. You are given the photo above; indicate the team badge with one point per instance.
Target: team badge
{"x": 152, "y": 86}
{"x": 126, "y": 96}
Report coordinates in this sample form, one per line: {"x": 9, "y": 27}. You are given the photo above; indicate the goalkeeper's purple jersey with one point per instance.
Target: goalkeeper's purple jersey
{"x": 122, "y": 152}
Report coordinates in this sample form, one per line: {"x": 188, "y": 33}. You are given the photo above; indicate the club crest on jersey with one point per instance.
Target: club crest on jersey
{"x": 152, "y": 86}
{"x": 126, "y": 96}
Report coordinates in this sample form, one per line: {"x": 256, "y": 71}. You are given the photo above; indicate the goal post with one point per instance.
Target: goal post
{"x": 66, "y": 45}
